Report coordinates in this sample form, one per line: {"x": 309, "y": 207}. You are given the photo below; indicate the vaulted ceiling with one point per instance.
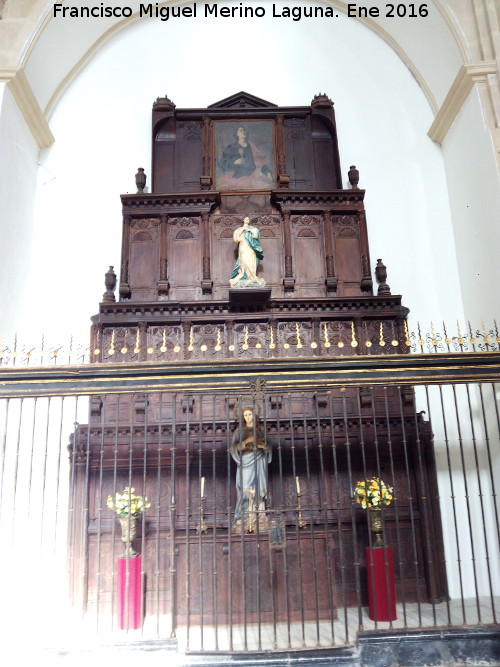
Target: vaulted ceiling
{"x": 453, "y": 47}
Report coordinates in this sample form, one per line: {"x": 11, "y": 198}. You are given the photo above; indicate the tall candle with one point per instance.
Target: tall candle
{"x": 298, "y": 485}
{"x": 202, "y": 487}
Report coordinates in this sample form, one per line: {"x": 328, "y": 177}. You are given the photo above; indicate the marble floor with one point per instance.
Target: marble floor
{"x": 84, "y": 640}
{"x": 341, "y": 632}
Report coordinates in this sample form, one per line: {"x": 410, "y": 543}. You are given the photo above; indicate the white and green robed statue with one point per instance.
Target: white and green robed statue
{"x": 249, "y": 253}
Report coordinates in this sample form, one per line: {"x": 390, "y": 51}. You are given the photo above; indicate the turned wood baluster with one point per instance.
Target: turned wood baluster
{"x": 289, "y": 280}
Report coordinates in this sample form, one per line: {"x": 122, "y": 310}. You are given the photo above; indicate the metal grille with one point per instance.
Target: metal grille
{"x": 293, "y": 572}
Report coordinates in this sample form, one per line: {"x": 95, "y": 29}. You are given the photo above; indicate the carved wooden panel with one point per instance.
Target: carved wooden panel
{"x": 184, "y": 258}
{"x": 144, "y": 258}
{"x": 348, "y": 255}
{"x": 188, "y": 160}
{"x": 308, "y": 255}
{"x": 323, "y": 144}
{"x": 298, "y": 152}
{"x": 164, "y": 160}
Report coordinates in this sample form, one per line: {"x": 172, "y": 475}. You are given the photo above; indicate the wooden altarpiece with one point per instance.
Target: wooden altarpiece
{"x": 176, "y": 304}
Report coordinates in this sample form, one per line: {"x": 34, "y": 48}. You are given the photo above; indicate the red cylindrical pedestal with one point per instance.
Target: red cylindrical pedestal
{"x": 129, "y": 593}
{"x": 380, "y": 574}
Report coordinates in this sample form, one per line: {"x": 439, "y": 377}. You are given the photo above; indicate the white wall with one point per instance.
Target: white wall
{"x": 18, "y": 158}
{"x": 382, "y": 118}
{"x": 474, "y": 189}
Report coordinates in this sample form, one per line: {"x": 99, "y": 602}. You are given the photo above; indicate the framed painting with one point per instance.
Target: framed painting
{"x": 244, "y": 155}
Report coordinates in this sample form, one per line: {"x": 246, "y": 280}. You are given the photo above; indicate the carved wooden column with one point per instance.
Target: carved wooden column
{"x": 230, "y": 337}
{"x": 206, "y": 283}
{"x": 366, "y": 281}
{"x": 95, "y": 343}
{"x": 283, "y": 177}
{"x": 289, "y": 280}
{"x": 331, "y": 280}
{"x": 124, "y": 286}
{"x": 206, "y": 176}
{"x": 163, "y": 285}
{"x": 143, "y": 341}
{"x": 316, "y": 336}
{"x": 186, "y": 335}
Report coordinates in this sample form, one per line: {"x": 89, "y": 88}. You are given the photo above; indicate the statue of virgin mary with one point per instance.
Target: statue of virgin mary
{"x": 249, "y": 253}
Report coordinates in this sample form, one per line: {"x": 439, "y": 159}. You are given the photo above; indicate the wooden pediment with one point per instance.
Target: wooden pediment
{"x": 242, "y": 100}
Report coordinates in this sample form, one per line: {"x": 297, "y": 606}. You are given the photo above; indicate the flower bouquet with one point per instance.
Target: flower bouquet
{"x": 128, "y": 506}
{"x": 127, "y": 503}
{"x": 374, "y": 495}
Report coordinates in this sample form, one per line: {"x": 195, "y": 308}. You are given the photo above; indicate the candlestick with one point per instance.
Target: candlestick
{"x": 301, "y": 522}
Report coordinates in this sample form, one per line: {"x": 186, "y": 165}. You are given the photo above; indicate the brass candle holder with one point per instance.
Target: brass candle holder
{"x": 202, "y": 525}
{"x": 302, "y": 522}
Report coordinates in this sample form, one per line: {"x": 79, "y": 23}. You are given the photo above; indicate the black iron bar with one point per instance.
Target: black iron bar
{"x": 71, "y": 501}
{"x": 98, "y": 509}
{"x": 466, "y": 488}
{"x": 113, "y": 521}
{"x": 32, "y": 450}
{"x": 278, "y": 527}
{"x": 492, "y": 481}
{"x": 396, "y": 506}
{"x": 129, "y": 485}
{"x": 186, "y": 531}
{"x": 311, "y": 518}
{"x": 362, "y": 449}
{"x": 389, "y": 592}
{"x": 16, "y": 470}
{"x": 172, "y": 516}
{"x": 337, "y": 514}
{"x": 379, "y": 475}
{"x": 454, "y": 507}
{"x": 159, "y": 471}
{"x": 408, "y": 467}
{"x": 257, "y": 527}
{"x": 297, "y": 527}
{"x": 429, "y": 412}
{"x": 351, "y": 507}
{"x": 200, "y": 531}
{"x": 58, "y": 473}
{"x": 426, "y": 509}
{"x": 147, "y": 399}
{"x": 481, "y": 501}
{"x": 4, "y": 451}
{"x": 324, "y": 500}
{"x": 242, "y": 533}
{"x": 85, "y": 510}
{"x": 229, "y": 514}
{"x": 214, "y": 526}
{"x": 282, "y": 495}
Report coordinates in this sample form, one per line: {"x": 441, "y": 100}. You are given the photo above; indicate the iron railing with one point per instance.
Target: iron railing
{"x": 294, "y": 572}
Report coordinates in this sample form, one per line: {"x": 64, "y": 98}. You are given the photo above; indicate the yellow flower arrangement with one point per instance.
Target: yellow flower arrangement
{"x": 127, "y": 503}
{"x": 373, "y": 493}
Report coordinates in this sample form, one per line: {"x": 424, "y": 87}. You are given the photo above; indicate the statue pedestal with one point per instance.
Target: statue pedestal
{"x": 248, "y": 296}
{"x": 380, "y": 575}
{"x": 129, "y": 593}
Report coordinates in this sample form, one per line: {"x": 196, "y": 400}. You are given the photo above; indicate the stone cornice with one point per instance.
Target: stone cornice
{"x": 467, "y": 76}
{"x": 28, "y": 105}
